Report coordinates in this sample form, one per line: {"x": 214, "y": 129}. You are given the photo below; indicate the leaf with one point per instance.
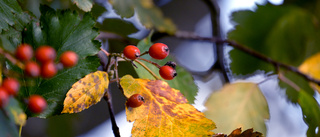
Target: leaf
{"x": 8, "y": 11}
{"x": 15, "y": 112}
{"x": 183, "y": 81}
{"x": 165, "y": 111}
{"x": 311, "y": 112}
{"x": 117, "y": 26}
{"x": 63, "y": 30}
{"x": 238, "y": 105}
{"x": 238, "y": 133}
{"x": 86, "y": 92}
{"x": 150, "y": 15}
{"x": 311, "y": 66}
{"x": 7, "y": 127}
{"x": 273, "y": 30}
{"x": 84, "y": 5}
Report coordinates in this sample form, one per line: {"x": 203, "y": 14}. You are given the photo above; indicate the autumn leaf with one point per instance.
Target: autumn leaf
{"x": 15, "y": 113}
{"x": 86, "y": 92}
{"x": 165, "y": 112}
{"x": 238, "y": 105}
{"x": 238, "y": 133}
{"x": 311, "y": 66}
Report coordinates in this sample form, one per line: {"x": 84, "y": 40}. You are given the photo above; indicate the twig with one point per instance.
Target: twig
{"x": 116, "y": 71}
{"x": 216, "y": 32}
{"x": 151, "y": 62}
{"x": 12, "y": 59}
{"x": 115, "y": 128}
{"x": 191, "y": 36}
{"x": 144, "y": 66}
{"x": 288, "y": 81}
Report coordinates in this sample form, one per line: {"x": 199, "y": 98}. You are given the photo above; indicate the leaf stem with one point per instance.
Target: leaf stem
{"x": 151, "y": 62}
{"x": 115, "y": 128}
{"x": 145, "y": 67}
{"x": 20, "y": 130}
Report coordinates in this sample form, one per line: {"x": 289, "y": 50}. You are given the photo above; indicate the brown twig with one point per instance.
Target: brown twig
{"x": 12, "y": 59}
{"x": 216, "y": 32}
{"x": 115, "y": 128}
{"x": 191, "y": 36}
{"x": 150, "y": 71}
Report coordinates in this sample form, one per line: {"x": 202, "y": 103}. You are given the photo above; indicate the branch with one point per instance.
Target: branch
{"x": 115, "y": 128}
{"x": 216, "y": 32}
{"x": 12, "y": 59}
{"x": 192, "y": 36}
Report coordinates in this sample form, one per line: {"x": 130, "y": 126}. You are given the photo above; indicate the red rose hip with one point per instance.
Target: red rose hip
{"x": 48, "y": 69}
{"x": 159, "y": 51}
{"x": 45, "y": 54}
{"x": 135, "y": 100}
{"x": 32, "y": 69}
{"x": 37, "y": 104}
{"x": 131, "y": 52}
{"x": 4, "y": 97}
{"x": 167, "y": 72}
{"x": 69, "y": 59}
{"x": 24, "y": 52}
{"x": 11, "y": 85}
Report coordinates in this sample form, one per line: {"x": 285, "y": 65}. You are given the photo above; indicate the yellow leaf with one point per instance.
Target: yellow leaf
{"x": 311, "y": 66}
{"x": 237, "y": 133}
{"x": 165, "y": 111}
{"x": 86, "y": 92}
{"x": 238, "y": 105}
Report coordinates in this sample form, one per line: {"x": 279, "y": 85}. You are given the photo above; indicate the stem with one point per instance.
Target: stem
{"x": 191, "y": 36}
{"x": 151, "y": 62}
{"x": 216, "y": 32}
{"x": 115, "y": 128}
{"x": 12, "y": 59}
{"x": 144, "y": 53}
{"x": 20, "y": 130}
{"x": 145, "y": 67}
{"x": 288, "y": 81}
{"x": 116, "y": 71}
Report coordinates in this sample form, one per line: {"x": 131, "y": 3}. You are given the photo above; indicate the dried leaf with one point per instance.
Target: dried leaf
{"x": 165, "y": 111}
{"x": 86, "y": 92}
{"x": 237, "y": 133}
{"x": 238, "y": 105}
{"x": 311, "y": 66}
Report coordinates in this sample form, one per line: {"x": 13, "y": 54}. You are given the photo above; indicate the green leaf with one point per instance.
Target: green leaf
{"x": 84, "y": 5}
{"x": 8, "y": 11}
{"x": 150, "y": 15}
{"x": 117, "y": 26}
{"x": 63, "y": 30}
{"x": 124, "y": 8}
{"x": 7, "y": 127}
{"x": 272, "y": 31}
{"x": 15, "y": 112}
{"x": 97, "y": 10}
{"x": 183, "y": 81}
{"x": 238, "y": 105}
{"x": 311, "y": 112}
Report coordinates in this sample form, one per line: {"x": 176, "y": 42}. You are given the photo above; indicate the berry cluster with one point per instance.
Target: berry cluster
{"x": 157, "y": 51}
{"x": 44, "y": 55}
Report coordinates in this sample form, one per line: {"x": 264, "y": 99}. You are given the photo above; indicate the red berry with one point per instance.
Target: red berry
{"x": 37, "y": 104}
{"x": 69, "y": 59}
{"x": 167, "y": 72}
{"x": 4, "y": 97}
{"x": 131, "y": 52}
{"x": 45, "y": 53}
{"x": 11, "y": 85}
{"x": 32, "y": 69}
{"x": 48, "y": 69}
{"x": 159, "y": 51}
{"x": 135, "y": 100}
{"x": 24, "y": 52}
